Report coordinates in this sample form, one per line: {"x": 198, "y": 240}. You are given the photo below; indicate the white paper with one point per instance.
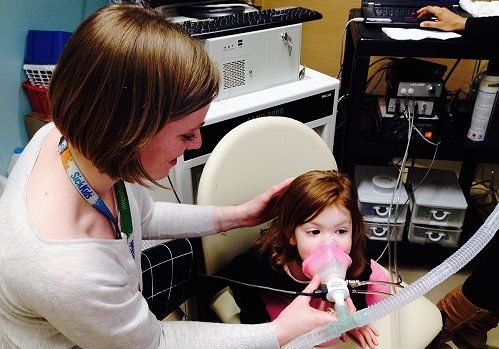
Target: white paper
{"x": 418, "y": 34}
{"x": 480, "y": 8}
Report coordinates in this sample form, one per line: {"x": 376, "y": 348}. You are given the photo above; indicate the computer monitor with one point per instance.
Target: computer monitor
{"x": 179, "y": 3}
{"x": 201, "y": 8}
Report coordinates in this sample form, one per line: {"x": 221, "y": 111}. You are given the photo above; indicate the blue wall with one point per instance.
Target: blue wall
{"x": 16, "y": 18}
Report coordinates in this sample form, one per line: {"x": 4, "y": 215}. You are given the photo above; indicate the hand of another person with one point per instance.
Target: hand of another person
{"x": 299, "y": 317}
{"x": 447, "y": 20}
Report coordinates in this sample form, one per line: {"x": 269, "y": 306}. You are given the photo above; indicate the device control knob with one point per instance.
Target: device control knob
{"x": 403, "y": 91}
{"x": 410, "y": 91}
{"x": 431, "y": 89}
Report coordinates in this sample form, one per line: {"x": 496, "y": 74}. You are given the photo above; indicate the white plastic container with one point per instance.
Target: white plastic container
{"x": 422, "y": 234}
{"x": 438, "y": 200}
{"x": 380, "y": 231}
{"x": 16, "y": 153}
{"x": 375, "y": 188}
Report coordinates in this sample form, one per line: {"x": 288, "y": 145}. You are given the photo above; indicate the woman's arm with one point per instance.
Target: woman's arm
{"x": 482, "y": 29}
{"x": 88, "y": 290}
{"x": 164, "y": 220}
{"x": 473, "y": 28}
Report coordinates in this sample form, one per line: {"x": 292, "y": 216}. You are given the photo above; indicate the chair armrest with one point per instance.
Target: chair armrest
{"x": 225, "y": 307}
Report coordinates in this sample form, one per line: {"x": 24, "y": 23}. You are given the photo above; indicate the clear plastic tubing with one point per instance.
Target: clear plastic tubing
{"x": 408, "y": 294}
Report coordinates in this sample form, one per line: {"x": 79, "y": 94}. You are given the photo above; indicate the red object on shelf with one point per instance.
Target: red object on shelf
{"x": 37, "y": 98}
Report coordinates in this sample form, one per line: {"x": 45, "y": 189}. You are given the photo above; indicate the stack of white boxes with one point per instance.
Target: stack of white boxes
{"x": 438, "y": 207}
{"x": 376, "y": 188}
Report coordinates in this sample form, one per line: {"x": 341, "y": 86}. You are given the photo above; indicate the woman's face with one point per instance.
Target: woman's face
{"x": 331, "y": 225}
{"x": 161, "y": 154}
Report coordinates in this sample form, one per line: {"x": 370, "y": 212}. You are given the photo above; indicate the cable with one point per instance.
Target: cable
{"x": 383, "y": 69}
{"x": 411, "y": 194}
{"x": 358, "y": 283}
{"x": 340, "y": 99}
{"x": 410, "y": 117}
{"x": 451, "y": 71}
{"x": 173, "y": 188}
{"x": 316, "y": 294}
{"x": 319, "y": 293}
{"x": 356, "y": 19}
{"x": 423, "y": 137}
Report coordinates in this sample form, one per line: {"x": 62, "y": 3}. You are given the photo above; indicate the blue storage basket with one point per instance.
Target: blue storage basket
{"x": 45, "y": 46}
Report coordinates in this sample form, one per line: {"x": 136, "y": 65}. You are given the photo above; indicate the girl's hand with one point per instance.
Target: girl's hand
{"x": 365, "y": 335}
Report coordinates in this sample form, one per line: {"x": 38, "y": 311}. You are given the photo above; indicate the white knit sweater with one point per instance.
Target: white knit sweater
{"x": 84, "y": 292}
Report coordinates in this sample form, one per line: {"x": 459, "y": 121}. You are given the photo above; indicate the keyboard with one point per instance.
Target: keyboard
{"x": 248, "y": 21}
{"x": 395, "y": 12}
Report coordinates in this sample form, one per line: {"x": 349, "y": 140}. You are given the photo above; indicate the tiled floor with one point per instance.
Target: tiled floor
{"x": 410, "y": 274}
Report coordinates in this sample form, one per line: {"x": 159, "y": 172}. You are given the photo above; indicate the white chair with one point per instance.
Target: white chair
{"x": 248, "y": 160}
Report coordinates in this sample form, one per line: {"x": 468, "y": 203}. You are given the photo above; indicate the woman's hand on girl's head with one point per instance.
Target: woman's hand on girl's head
{"x": 251, "y": 213}
{"x": 261, "y": 208}
{"x": 299, "y": 317}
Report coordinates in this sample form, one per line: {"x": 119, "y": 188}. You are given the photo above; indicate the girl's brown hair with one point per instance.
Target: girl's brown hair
{"x": 304, "y": 199}
{"x": 125, "y": 72}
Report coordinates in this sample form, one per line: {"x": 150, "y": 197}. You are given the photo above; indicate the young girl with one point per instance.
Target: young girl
{"x": 317, "y": 207}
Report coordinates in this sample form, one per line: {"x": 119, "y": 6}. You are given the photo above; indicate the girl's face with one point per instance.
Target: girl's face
{"x": 331, "y": 225}
{"x": 161, "y": 154}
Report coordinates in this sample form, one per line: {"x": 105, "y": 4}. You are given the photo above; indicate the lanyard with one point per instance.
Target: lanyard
{"x": 90, "y": 196}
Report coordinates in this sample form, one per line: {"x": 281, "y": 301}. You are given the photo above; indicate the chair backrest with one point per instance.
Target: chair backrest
{"x": 248, "y": 160}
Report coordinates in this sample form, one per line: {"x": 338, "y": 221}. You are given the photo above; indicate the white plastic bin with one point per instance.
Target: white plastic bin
{"x": 445, "y": 236}
{"x": 381, "y": 231}
{"x": 438, "y": 199}
{"x": 375, "y": 188}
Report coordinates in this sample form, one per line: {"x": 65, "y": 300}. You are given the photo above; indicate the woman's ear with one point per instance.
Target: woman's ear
{"x": 292, "y": 241}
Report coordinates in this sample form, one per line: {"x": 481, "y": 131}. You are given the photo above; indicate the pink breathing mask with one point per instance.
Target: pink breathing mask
{"x": 328, "y": 261}
{"x": 331, "y": 264}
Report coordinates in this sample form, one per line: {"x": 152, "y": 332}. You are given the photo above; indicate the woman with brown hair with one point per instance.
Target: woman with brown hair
{"x": 128, "y": 97}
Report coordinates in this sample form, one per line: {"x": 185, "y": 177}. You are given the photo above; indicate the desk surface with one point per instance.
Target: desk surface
{"x": 373, "y": 42}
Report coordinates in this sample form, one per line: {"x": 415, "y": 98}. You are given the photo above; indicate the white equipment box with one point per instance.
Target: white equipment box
{"x": 312, "y": 100}
{"x": 256, "y": 60}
